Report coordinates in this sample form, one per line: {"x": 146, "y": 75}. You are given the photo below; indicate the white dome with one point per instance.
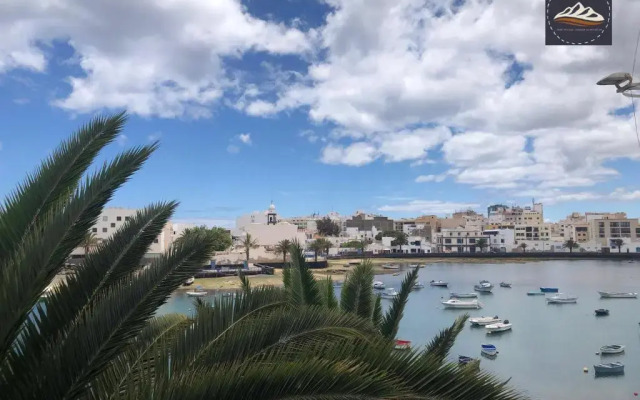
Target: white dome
{"x": 272, "y": 207}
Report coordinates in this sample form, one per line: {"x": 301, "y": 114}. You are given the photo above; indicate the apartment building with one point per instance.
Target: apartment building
{"x": 365, "y": 222}
{"x": 610, "y": 227}
{"x": 460, "y": 240}
{"x": 532, "y": 232}
{"x": 500, "y": 240}
{"x": 111, "y": 219}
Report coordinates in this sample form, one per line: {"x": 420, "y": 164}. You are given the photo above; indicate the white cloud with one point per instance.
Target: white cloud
{"x": 311, "y": 136}
{"x": 392, "y": 64}
{"x": 122, "y": 140}
{"x": 245, "y": 138}
{"x": 554, "y": 196}
{"x": 154, "y": 136}
{"x": 210, "y": 222}
{"x": 356, "y": 154}
{"x": 161, "y": 58}
{"x": 431, "y": 178}
{"x": 429, "y": 207}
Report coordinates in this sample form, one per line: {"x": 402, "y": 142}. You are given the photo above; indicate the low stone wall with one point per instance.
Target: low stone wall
{"x": 531, "y": 255}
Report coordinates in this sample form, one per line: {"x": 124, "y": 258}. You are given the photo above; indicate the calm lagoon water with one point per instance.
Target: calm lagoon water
{"x": 549, "y": 345}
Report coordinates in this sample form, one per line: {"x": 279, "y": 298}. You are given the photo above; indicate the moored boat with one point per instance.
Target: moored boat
{"x": 612, "y": 349}
{"x": 189, "y": 281}
{"x": 389, "y": 294}
{"x": 602, "y": 312}
{"x": 464, "y": 360}
{"x": 391, "y": 266}
{"x": 418, "y": 285}
{"x": 505, "y": 285}
{"x": 482, "y": 321}
{"x": 489, "y": 349}
{"x": 483, "y": 287}
{"x": 549, "y": 289}
{"x": 535, "y": 293}
{"x": 463, "y": 295}
{"x": 609, "y": 368}
{"x": 561, "y": 299}
{"x": 439, "y": 283}
{"x": 455, "y": 303}
{"x": 197, "y": 292}
{"x": 618, "y": 295}
{"x": 378, "y": 285}
{"x": 498, "y": 327}
{"x": 402, "y": 345}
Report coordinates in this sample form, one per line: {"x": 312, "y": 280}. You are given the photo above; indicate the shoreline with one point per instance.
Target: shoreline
{"x": 337, "y": 270}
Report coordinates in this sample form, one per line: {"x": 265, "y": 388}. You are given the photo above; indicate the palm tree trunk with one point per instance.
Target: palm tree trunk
{"x": 620, "y": 249}
{"x": 315, "y": 256}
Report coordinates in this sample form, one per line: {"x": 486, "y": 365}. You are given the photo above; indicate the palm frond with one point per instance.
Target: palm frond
{"x": 106, "y": 330}
{"x": 376, "y": 317}
{"x": 53, "y": 181}
{"x": 438, "y": 348}
{"x": 246, "y": 285}
{"x": 27, "y": 272}
{"x": 327, "y": 293}
{"x": 357, "y": 290}
{"x": 304, "y": 288}
{"x": 117, "y": 257}
{"x": 391, "y": 320}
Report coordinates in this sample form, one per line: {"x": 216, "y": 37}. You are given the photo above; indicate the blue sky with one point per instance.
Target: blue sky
{"x": 325, "y": 105}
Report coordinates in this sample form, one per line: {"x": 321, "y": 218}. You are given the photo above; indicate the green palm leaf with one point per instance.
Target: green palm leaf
{"x": 391, "y": 320}
{"x": 441, "y": 344}
{"x": 357, "y": 290}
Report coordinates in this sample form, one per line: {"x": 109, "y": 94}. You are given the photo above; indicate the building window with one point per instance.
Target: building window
{"x": 118, "y": 218}
{"x": 501, "y": 240}
{"x": 113, "y": 224}
{"x": 459, "y": 241}
{"x": 155, "y": 241}
{"x": 105, "y": 218}
{"x": 94, "y": 230}
{"x": 472, "y": 241}
{"x": 447, "y": 240}
{"x": 104, "y": 230}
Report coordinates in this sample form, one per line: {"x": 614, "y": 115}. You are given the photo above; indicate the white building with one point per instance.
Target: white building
{"x": 111, "y": 219}
{"x": 460, "y": 240}
{"x": 500, "y": 240}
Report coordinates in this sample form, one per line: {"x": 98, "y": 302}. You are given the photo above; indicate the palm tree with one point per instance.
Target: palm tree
{"x": 106, "y": 306}
{"x": 570, "y": 244}
{"x": 317, "y": 246}
{"x": 401, "y": 239}
{"x": 283, "y": 248}
{"x": 482, "y": 244}
{"x": 291, "y": 342}
{"x": 89, "y": 241}
{"x": 618, "y": 243}
{"x": 248, "y": 243}
{"x": 523, "y": 246}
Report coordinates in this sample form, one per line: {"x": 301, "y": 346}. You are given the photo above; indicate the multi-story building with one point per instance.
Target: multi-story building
{"x": 500, "y": 240}
{"x": 111, "y": 219}
{"x": 365, "y": 222}
{"x": 414, "y": 227}
{"x": 532, "y": 232}
{"x": 610, "y": 227}
{"x": 460, "y": 240}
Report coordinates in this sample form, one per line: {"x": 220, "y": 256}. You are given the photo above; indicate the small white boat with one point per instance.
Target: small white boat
{"x": 609, "y": 368}
{"x": 378, "y": 285}
{"x": 505, "y": 285}
{"x": 498, "y": 327}
{"x": 189, "y": 281}
{"x": 391, "y": 266}
{"x": 612, "y": 349}
{"x": 197, "y": 292}
{"x": 482, "y": 321}
{"x": 483, "y": 286}
{"x": 455, "y": 303}
{"x": 389, "y": 294}
{"x": 463, "y": 295}
{"x": 618, "y": 295}
{"x": 561, "y": 299}
{"x": 418, "y": 285}
{"x": 439, "y": 283}
{"x": 489, "y": 349}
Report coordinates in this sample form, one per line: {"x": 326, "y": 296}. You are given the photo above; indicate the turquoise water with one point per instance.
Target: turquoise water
{"x": 549, "y": 345}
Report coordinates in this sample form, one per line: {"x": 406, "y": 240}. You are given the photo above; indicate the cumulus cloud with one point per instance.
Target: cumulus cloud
{"x": 245, "y": 138}
{"x": 431, "y": 178}
{"x": 554, "y": 196}
{"x": 429, "y": 207}
{"x": 156, "y": 58}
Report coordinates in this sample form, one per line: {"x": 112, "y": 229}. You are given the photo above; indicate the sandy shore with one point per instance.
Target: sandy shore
{"x": 337, "y": 270}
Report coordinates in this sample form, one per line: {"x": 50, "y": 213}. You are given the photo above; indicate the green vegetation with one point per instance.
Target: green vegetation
{"x": 327, "y": 227}
{"x": 248, "y": 243}
{"x": 320, "y": 245}
{"x": 220, "y": 237}
{"x": 354, "y": 244}
{"x": 89, "y": 242}
{"x": 399, "y": 238}
{"x": 283, "y": 248}
{"x": 570, "y": 244}
{"x": 95, "y": 335}
{"x": 618, "y": 243}
{"x": 523, "y": 246}
{"x": 482, "y": 244}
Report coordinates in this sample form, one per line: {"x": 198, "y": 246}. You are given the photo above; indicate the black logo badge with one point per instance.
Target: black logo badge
{"x": 578, "y": 22}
